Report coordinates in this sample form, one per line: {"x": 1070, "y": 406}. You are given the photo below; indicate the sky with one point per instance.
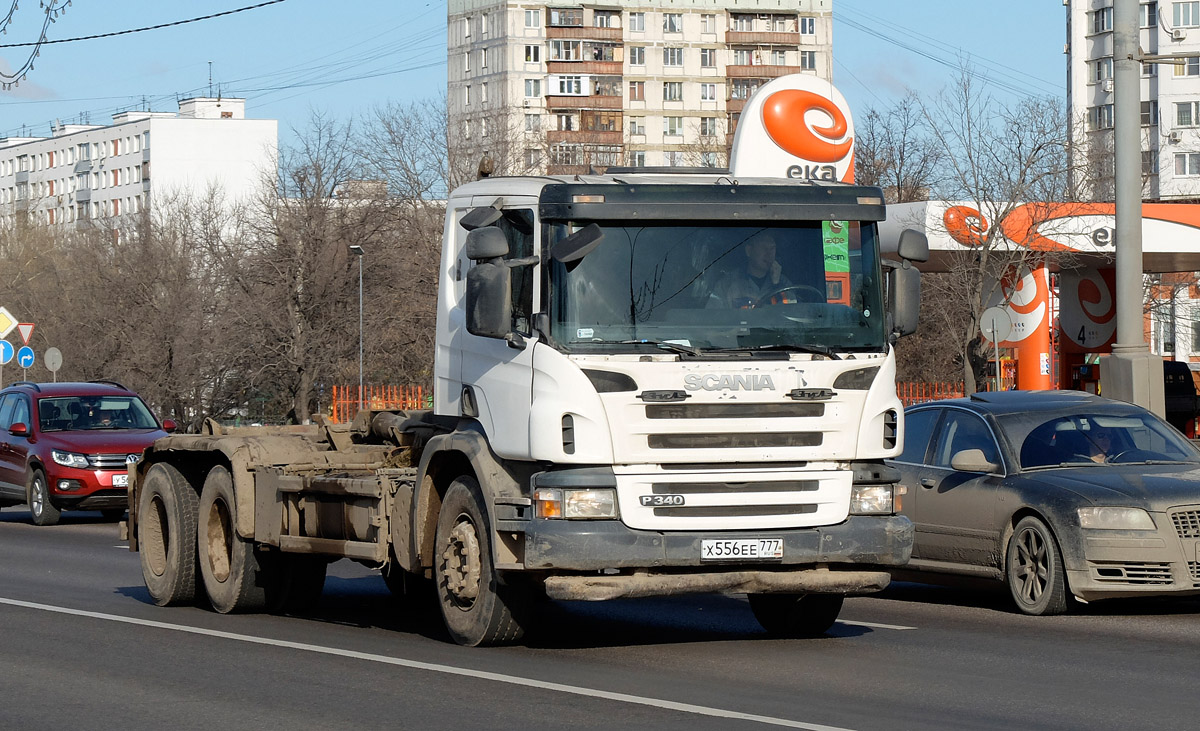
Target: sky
{"x": 291, "y": 58}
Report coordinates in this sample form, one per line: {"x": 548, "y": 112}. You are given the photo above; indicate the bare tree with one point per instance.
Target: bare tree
{"x": 896, "y": 150}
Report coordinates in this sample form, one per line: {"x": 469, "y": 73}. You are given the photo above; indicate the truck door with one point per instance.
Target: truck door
{"x": 499, "y": 375}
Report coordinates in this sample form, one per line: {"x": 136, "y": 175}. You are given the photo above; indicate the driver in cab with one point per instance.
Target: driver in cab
{"x": 759, "y": 280}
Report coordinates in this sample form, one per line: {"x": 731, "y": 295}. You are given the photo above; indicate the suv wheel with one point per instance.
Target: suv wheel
{"x": 44, "y": 513}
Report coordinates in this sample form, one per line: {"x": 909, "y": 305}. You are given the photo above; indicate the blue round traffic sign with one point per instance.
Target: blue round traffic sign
{"x": 6, "y": 352}
{"x": 25, "y": 357}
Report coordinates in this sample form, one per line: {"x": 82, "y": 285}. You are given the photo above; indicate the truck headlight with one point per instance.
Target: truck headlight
{"x": 69, "y": 459}
{"x": 590, "y": 504}
{"x": 875, "y": 499}
{"x": 1115, "y": 519}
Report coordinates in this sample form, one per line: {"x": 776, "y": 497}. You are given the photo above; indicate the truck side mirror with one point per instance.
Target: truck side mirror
{"x": 904, "y": 293}
{"x": 489, "y": 284}
{"x": 571, "y": 250}
{"x": 913, "y": 245}
{"x": 478, "y": 218}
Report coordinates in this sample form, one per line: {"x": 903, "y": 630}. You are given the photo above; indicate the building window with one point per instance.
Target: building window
{"x": 672, "y": 125}
{"x": 637, "y": 21}
{"x": 743, "y": 22}
{"x": 483, "y": 127}
{"x": 533, "y": 54}
{"x": 1100, "y": 117}
{"x": 1148, "y": 15}
{"x": 1149, "y": 162}
{"x": 708, "y": 92}
{"x": 1185, "y": 15}
{"x": 1102, "y": 19}
{"x": 672, "y": 91}
{"x": 637, "y": 91}
{"x": 533, "y": 122}
{"x": 708, "y": 126}
{"x": 1102, "y": 69}
{"x": 605, "y": 19}
{"x": 533, "y": 18}
{"x": 565, "y": 50}
{"x": 778, "y": 57}
{"x": 1196, "y": 335}
{"x": 467, "y": 62}
{"x": 708, "y": 23}
{"x": 637, "y": 125}
{"x": 808, "y": 60}
{"x": 1187, "y": 164}
{"x": 466, "y": 26}
{"x": 673, "y": 158}
{"x": 566, "y": 17}
{"x": 1149, "y": 69}
{"x": 637, "y": 56}
{"x": 808, "y": 26}
{"x": 1187, "y": 114}
{"x": 1187, "y": 67}
{"x": 533, "y": 88}
{"x": 566, "y": 122}
{"x": 570, "y": 85}
{"x": 741, "y": 57}
{"x": 672, "y": 22}
{"x": 483, "y": 58}
{"x": 483, "y": 25}
{"x": 708, "y": 58}
{"x": 1149, "y": 113}
{"x": 533, "y": 156}
{"x": 467, "y": 95}
{"x": 672, "y": 57}
{"x": 637, "y": 159}
{"x": 483, "y": 93}
{"x": 743, "y": 88}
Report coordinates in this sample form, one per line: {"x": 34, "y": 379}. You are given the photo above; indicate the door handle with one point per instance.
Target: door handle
{"x": 927, "y": 482}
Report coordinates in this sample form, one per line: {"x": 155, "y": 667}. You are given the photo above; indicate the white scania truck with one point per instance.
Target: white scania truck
{"x": 625, "y": 406}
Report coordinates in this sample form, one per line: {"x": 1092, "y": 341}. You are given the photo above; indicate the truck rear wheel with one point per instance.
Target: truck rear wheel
{"x": 796, "y": 615}
{"x": 237, "y": 577}
{"x": 167, "y": 535}
{"x": 477, "y": 607}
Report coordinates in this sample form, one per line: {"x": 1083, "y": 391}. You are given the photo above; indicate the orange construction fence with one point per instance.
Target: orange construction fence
{"x": 915, "y": 393}
{"x": 347, "y": 400}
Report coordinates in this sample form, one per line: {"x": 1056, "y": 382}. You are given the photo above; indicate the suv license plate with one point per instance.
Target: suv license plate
{"x": 121, "y": 479}
{"x": 741, "y": 549}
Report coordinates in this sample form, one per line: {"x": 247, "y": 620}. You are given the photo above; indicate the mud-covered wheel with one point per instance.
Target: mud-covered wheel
{"x": 1034, "y": 569}
{"x": 796, "y": 615}
{"x": 477, "y": 606}
{"x": 40, "y": 507}
{"x": 303, "y": 582}
{"x": 237, "y": 577}
{"x": 166, "y": 532}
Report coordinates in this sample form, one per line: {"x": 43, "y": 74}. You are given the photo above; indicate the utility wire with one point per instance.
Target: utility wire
{"x": 10, "y": 79}
{"x": 140, "y": 30}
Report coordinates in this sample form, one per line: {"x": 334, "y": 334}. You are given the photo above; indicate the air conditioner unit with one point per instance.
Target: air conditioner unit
{"x": 1108, "y": 85}
{"x": 1178, "y": 34}
{"x": 1174, "y": 137}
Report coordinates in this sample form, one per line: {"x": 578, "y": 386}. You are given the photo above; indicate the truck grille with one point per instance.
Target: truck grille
{"x": 733, "y": 411}
{"x": 1132, "y": 573}
{"x": 1187, "y": 523}
{"x": 734, "y": 441}
{"x": 734, "y": 511}
{"x": 112, "y": 461}
{"x": 1194, "y": 570}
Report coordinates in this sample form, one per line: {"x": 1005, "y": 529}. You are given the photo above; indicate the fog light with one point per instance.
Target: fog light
{"x": 68, "y": 485}
{"x": 590, "y": 504}
{"x": 871, "y": 500}
{"x": 547, "y": 503}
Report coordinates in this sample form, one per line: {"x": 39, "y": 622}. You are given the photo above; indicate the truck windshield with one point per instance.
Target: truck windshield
{"x": 814, "y": 286}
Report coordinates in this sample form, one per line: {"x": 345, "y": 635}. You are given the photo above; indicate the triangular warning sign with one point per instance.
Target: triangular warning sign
{"x": 26, "y": 329}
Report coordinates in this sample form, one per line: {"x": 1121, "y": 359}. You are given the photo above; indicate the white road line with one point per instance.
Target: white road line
{"x": 874, "y": 625}
{"x": 436, "y": 668}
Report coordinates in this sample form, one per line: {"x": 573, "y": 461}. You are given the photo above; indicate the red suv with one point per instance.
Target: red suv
{"x": 67, "y": 446}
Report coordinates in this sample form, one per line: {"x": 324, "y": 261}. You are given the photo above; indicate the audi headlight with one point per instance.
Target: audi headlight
{"x": 875, "y": 499}
{"x": 69, "y": 459}
{"x": 1115, "y": 519}
{"x": 575, "y": 504}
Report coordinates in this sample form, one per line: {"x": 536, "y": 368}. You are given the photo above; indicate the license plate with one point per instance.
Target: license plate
{"x": 741, "y": 549}
{"x": 121, "y": 479}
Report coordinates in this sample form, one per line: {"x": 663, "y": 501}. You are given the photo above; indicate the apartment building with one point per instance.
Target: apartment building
{"x": 87, "y": 173}
{"x": 1170, "y": 94}
{"x": 560, "y": 87}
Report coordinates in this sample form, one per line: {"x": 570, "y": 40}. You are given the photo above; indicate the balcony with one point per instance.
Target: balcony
{"x": 602, "y": 68}
{"x": 764, "y": 38}
{"x": 734, "y": 106}
{"x": 585, "y": 136}
{"x": 83, "y": 166}
{"x": 83, "y": 194}
{"x": 583, "y": 102}
{"x": 761, "y": 71}
{"x": 588, "y": 33}
{"x": 22, "y": 176}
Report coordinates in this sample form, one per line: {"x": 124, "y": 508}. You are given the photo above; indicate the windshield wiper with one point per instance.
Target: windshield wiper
{"x": 673, "y": 347}
{"x": 785, "y": 347}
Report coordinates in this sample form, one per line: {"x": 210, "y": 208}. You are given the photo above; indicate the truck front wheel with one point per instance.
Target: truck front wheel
{"x": 237, "y": 577}
{"x": 796, "y": 615}
{"x": 477, "y": 606}
{"x": 167, "y": 535}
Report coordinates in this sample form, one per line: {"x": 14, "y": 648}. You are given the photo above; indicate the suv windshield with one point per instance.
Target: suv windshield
{"x": 812, "y": 285}
{"x": 78, "y": 413}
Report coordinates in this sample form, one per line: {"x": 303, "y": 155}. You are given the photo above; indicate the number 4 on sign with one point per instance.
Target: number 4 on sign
{"x": 26, "y": 329}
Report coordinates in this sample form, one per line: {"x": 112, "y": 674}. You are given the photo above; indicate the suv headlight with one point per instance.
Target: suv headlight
{"x": 575, "y": 504}
{"x": 1115, "y": 519}
{"x": 69, "y": 459}
{"x": 875, "y": 499}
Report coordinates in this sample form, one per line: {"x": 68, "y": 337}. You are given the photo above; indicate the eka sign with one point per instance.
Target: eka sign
{"x": 795, "y": 126}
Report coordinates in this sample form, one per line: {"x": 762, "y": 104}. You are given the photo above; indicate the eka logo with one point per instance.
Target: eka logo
{"x": 712, "y": 382}
{"x": 965, "y": 225}
{"x": 785, "y": 117}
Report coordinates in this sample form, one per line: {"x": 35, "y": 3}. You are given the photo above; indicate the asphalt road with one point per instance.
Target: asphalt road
{"x": 81, "y": 646}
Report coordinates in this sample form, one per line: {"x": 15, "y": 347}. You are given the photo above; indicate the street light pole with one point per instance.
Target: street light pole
{"x": 358, "y": 252}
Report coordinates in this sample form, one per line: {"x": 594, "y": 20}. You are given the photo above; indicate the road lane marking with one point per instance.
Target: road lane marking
{"x": 435, "y": 667}
{"x": 873, "y": 625}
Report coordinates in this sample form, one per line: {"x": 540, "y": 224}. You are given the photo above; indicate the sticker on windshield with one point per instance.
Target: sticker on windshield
{"x": 585, "y": 332}
{"x": 835, "y": 237}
